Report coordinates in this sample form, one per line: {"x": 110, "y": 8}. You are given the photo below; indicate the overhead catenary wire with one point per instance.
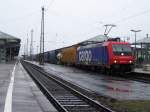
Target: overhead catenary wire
{"x": 128, "y": 18}
{"x": 134, "y": 16}
{"x": 50, "y": 4}
{"x": 22, "y": 18}
{"x": 117, "y": 22}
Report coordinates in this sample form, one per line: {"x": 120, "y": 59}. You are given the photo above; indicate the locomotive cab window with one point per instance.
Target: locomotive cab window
{"x": 119, "y": 49}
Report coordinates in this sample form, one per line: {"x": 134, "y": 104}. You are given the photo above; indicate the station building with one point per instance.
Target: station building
{"x": 143, "y": 49}
{"x": 9, "y": 47}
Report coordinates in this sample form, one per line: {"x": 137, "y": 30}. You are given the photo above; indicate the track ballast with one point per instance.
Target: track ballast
{"x": 63, "y": 97}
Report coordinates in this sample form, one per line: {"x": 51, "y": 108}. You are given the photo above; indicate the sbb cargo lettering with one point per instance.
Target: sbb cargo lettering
{"x": 85, "y": 56}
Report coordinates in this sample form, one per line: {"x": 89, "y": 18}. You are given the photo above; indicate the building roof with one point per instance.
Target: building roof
{"x": 145, "y": 40}
{"x": 9, "y": 38}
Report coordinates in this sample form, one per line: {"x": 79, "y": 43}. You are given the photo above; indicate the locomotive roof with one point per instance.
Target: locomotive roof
{"x": 7, "y": 36}
{"x": 99, "y": 39}
{"x": 89, "y": 46}
{"x": 96, "y": 39}
{"x": 101, "y": 44}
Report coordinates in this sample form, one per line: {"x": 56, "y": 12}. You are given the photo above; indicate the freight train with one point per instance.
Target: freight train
{"x": 109, "y": 56}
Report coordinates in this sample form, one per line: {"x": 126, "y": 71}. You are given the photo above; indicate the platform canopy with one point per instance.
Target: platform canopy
{"x": 145, "y": 40}
{"x": 9, "y": 46}
{"x": 8, "y": 39}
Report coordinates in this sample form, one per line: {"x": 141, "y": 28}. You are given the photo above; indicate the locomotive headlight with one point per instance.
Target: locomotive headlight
{"x": 115, "y": 61}
{"x": 130, "y": 61}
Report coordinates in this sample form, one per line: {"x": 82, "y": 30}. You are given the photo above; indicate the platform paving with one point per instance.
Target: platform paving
{"x": 26, "y": 96}
{"x": 140, "y": 70}
{"x": 5, "y": 72}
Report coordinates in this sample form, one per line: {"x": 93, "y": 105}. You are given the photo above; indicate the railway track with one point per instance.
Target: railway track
{"x": 137, "y": 77}
{"x": 63, "y": 97}
{"x": 140, "y": 77}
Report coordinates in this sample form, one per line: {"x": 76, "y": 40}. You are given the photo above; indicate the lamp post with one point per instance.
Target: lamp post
{"x": 135, "y": 31}
{"x": 31, "y": 46}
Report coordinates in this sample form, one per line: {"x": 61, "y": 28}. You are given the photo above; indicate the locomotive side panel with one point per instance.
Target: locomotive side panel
{"x": 88, "y": 56}
{"x": 94, "y": 56}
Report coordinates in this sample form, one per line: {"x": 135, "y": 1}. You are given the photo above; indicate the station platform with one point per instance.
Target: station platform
{"x": 18, "y": 93}
{"x": 141, "y": 71}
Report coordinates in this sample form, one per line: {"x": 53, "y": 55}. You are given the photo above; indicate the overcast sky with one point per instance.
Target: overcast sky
{"x": 70, "y": 21}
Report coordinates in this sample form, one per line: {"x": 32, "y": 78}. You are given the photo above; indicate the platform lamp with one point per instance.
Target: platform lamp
{"x": 135, "y": 31}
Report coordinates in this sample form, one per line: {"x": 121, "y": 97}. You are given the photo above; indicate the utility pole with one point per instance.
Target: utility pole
{"x": 108, "y": 29}
{"x": 31, "y": 45}
{"x": 24, "y": 52}
{"x": 37, "y": 49}
{"x": 42, "y": 40}
{"x": 147, "y": 35}
{"x": 38, "y": 55}
{"x": 128, "y": 39}
{"x": 27, "y": 44}
{"x": 135, "y": 31}
{"x": 147, "y": 51}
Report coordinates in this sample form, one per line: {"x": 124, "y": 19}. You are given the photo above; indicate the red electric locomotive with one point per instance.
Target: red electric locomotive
{"x": 120, "y": 56}
{"x": 111, "y": 55}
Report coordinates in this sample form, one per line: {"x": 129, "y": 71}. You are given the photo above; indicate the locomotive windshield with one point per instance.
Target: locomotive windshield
{"x": 120, "y": 49}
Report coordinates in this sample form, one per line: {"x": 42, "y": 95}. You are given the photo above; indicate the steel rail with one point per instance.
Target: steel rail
{"x": 139, "y": 77}
{"x": 91, "y": 102}
{"x": 44, "y": 90}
